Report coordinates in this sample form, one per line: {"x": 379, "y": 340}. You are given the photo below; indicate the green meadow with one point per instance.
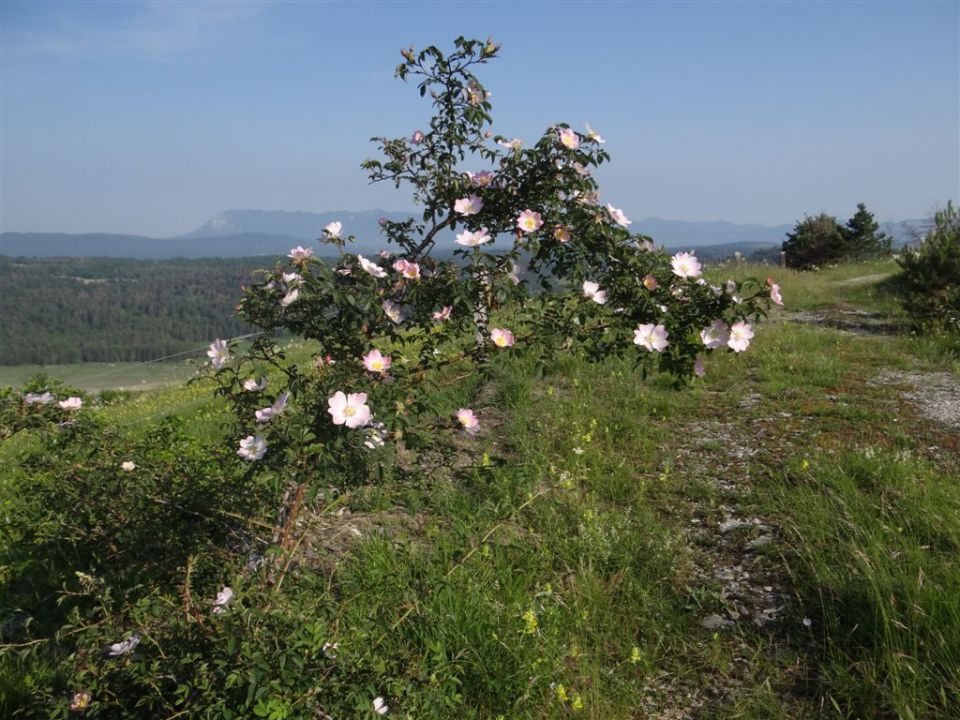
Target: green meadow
{"x": 778, "y": 539}
{"x": 94, "y": 377}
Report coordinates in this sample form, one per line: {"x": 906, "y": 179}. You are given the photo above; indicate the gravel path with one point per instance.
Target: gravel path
{"x": 936, "y": 395}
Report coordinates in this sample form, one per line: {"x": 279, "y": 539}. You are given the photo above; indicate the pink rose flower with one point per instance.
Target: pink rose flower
{"x": 300, "y": 253}
{"x": 775, "y": 292}
{"x": 651, "y": 337}
{"x": 698, "y": 368}
{"x": 618, "y": 216}
{"x": 715, "y": 336}
{"x": 685, "y": 265}
{"x": 252, "y": 448}
{"x": 594, "y": 135}
{"x": 740, "y": 335}
{"x": 377, "y": 362}
{"x": 568, "y": 138}
{"x": 502, "y": 338}
{"x": 371, "y": 267}
{"x": 468, "y": 205}
{"x": 472, "y": 239}
{"x": 529, "y": 221}
{"x": 411, "y": 271}
{"x": 468, "y": 420}
{"x": 592, "y": 291}
{"x": 350, "y": 410}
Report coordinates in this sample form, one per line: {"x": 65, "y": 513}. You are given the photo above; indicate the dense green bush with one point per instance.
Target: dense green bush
{"x": 815, "y": 241}
{"x": 821, "y": 240}
{"x": 930, "y": 281}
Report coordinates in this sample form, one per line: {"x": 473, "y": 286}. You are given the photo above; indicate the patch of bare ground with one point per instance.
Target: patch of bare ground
{"x": 667, "y": 698}
{"x": 738, "y": 586}
{"x": 851, "y": 321}
{"x": 935, "y": 395}
{"x": 865, "y": 279}
{"x": 326, "y": 537}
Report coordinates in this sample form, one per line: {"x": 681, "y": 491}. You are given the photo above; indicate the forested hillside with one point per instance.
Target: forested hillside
{"x": 64, "y": 310}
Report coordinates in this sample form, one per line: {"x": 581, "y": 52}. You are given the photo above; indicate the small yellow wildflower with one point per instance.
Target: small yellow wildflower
{"x": 561, "y": 693}
{"x": 529, "y": 622}
{"x": 577, "y": 702}
{"x": 635, "y": 655}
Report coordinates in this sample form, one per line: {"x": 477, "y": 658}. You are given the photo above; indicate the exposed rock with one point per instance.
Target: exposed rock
{"x": 715, "y": 622}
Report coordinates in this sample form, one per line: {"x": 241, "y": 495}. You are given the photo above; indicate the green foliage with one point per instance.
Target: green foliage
{"x": 429, "y": 314}
{"x": 814, "y": 242}
{"x": 874, "y": 537}
{"x": 70, "y": 310}
{"x": 930, "y": 281}
{"x": 37, "y": 407}
{"x": 821, "y": 240}
{"x": 543, "y": 569}
{"x": 862, "y": 240}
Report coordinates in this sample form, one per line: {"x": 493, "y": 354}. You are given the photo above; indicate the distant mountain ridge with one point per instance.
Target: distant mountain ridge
{"x": 40, "y": 245}
{"x": 298, "y": 224}
{"x": 246, "y": 233}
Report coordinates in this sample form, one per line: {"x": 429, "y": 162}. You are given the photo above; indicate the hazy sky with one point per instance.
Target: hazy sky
{"x": 150, "y": 117}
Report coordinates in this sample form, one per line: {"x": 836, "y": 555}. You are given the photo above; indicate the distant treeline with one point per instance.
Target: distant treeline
{"x": 66, "y": 310}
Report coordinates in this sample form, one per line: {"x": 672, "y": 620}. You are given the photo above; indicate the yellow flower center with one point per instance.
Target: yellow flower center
{"x": 349, "y": 411}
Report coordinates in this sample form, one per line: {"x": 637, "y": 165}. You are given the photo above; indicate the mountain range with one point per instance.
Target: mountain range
{"x": 244, "y": 233}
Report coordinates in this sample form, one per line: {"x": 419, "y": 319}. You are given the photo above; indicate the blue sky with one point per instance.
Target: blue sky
{"x": 149, "y": 117}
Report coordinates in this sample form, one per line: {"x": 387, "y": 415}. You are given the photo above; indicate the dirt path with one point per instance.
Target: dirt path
{"x": 741, "y": 590}
{"x": 851, "y": 321}
{"x": 865, "y": 279}
{"x": 935, "y": 395}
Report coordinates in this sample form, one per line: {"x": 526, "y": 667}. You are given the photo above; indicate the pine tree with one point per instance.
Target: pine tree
{"x": 861, "y": 239}
{"x": 930, "y": 281}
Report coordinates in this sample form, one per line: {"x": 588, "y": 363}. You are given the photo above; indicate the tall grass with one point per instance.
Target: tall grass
{"x": 873, "y": 542}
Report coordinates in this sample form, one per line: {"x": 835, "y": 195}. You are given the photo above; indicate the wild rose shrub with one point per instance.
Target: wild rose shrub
{"x": 43, "y": 405}
{"x": 388, "y": 323}
{"x": 135, "y": 541}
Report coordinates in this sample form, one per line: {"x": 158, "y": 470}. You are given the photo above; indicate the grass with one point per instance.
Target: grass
{"x": 562, "y": 563}
{"x": 858, "y": 284}
{"x": 94, "y": 377}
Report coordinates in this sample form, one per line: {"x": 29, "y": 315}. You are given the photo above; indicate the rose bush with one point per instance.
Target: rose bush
{"x": 534, "y": 250}
{"x": 143, "y": 572}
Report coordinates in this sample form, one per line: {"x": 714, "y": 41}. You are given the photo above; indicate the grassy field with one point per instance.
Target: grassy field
{"x": 94, "y": 377}
{"x": 778, "y": 540}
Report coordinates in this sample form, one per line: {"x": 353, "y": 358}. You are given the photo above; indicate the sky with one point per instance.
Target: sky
{"x": 150, "y": 117}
